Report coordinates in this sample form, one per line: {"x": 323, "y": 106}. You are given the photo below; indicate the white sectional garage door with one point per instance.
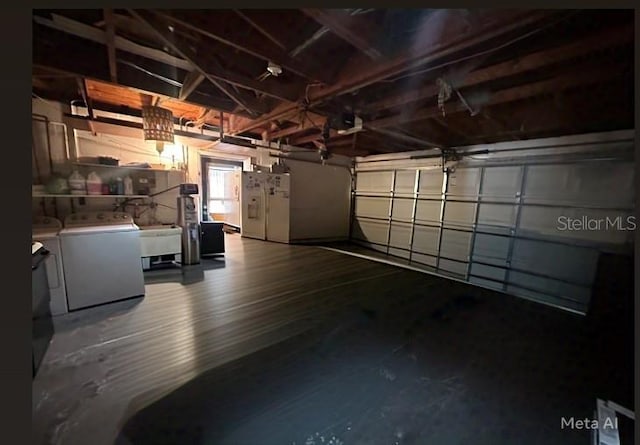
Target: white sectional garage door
{"x": 528, "y": 227}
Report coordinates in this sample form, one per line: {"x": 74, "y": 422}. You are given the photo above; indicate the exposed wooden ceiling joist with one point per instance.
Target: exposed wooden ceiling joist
{"x": 111, "y": 46}
{"x": 354, "y": 30}
{"x": 458, "y": 36}
{"x": 404, "y": 137}
{"x": 191, "y": 82}
{"x": 572, "y": 79}
{"x": 97, "y": 35}
{"x": 315, "y": 136}
{"x": 497, "y": 62}
{"x": 260, "y": 29}
{"x": 159, "y": 30}
{"x": 605, "y": 39}
{"x": 255, "y": 48}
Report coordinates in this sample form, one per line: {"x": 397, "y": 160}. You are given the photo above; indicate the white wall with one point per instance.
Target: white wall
{"x": 53, "y": 111}
{"x": 320, "y": 201}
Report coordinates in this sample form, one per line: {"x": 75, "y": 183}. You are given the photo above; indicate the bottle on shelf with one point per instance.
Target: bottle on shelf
{"x": 77, "y": 184}
{"x": 119, "y": 186}
{"x": 128, "y": 186}
{"x": 94, "y": 184}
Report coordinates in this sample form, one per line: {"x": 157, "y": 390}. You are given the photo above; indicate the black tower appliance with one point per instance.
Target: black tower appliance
{"x": 211, "y": 238}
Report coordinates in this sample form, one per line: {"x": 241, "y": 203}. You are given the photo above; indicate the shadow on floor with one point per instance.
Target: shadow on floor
{"x": 467, "y": 367}
{"x": 93, "y": 315}
{"x": 186, "y": 274}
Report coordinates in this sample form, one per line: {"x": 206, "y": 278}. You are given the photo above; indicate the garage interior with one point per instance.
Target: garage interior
{"x": 333, "y": 226}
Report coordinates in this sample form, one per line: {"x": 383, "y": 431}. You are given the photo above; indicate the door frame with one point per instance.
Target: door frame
{"x": 205, "y": 161}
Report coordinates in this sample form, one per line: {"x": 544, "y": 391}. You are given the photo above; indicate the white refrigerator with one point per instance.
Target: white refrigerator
{"x": 265, "y": 206}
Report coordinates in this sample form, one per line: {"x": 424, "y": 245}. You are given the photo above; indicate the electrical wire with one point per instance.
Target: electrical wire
{"x": 485, "y": 52}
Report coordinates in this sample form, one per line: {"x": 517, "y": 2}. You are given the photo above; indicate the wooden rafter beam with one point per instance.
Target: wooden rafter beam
{"x": 403, "y": 137}
{"x": 540, "y": 59}
{"x": 346, "y": 142}
{"x": 315, "y": 136}
{"x": 96, "y": 35}
{"x": 457, "y": 36}
{"x": 572, "y": 79}
{"x": 277, "y": 91}
{"x": 304, "y": 125}
{"x": 354, "y": 30}
{"x": 260, "y": 29}
{"x": 204, "y": 26}
{"x": 158, "y": 30}
{"x": 111, "y": 46}
{"x": 450, "y": 128}
{"x": 48, "y": 33}
{"x": 190, "y": 83}
{"x": 82, "y": 88}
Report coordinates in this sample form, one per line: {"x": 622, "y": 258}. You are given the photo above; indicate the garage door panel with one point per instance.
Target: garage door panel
{"x": 400, "y": 253}
{"x": 425, "y": 240}
{"x": 565, "y": 262}
{"x": 400, "y": 235}
{"x": 379, "y": 182}
{"x": 464, "y": 182}
{"x": 501, "y": 182}
{"x": 513, "y": 222}
{"x": 503, "y": 215}
{"x": 372, "y": 207}
{"x": 486, "y": 283}
{"x": 460, "y": 213}
{"x": 455, "y": 244}
{"x": 491, "y": 249}
{"x": 402, "y": 209}
{"x": 453, "y": 268}
{"x": 582, "y": 183}
{"x": 596, "y": 225}
{"x": 550, "y": 291}
{"x": 493, "y": 273}
{"x": 548, "y": 299}
{"x": 431, "y": 182}
{"x": 373, "y": 231}
{"x": 405, "y": 181}
{"x": 426, "y": 260}
{"x": 428, "y": 211}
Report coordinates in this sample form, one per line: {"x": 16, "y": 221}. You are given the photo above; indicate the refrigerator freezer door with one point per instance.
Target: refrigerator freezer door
{"x": 277, "y": 193}
{"x": 253, "y": 206}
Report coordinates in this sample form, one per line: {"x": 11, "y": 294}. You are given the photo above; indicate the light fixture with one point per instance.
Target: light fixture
{"x": 157, "y": 125}
{"x": 273, "y": 69}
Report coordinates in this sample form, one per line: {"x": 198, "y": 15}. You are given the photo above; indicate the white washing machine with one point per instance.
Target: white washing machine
{"x": 46, "y": 230}
{"x": 101, "y": 256}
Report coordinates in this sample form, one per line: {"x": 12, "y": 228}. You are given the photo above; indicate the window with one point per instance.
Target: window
{"x": 222, "y": 197}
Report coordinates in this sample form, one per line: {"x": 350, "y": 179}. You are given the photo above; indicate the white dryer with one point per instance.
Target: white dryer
{"x": 46, "y": 230}
{"x": 101, "y": 255}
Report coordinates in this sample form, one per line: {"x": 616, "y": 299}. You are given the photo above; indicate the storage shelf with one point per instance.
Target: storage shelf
{"x": 122, "y": 167}
{"x": 50, "y": 195}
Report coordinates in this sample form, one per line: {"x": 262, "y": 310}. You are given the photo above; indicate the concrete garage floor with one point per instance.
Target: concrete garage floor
{"x": 279, "y": 344}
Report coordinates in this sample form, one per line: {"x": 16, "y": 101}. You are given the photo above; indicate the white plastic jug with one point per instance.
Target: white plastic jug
{"x": 77, "y": 184}
{"x": 128, "y": 186}
{"x": 94, "y": 184}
